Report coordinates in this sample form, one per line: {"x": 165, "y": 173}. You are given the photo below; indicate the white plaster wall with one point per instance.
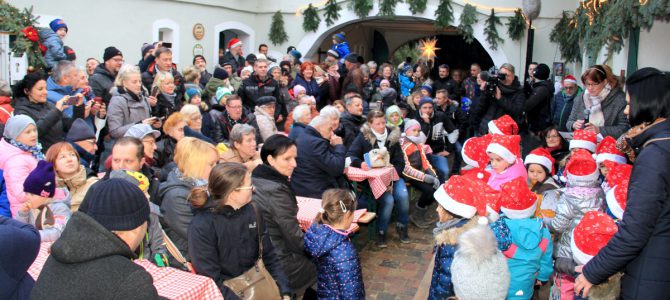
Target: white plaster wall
{"x": 654, "y": 47}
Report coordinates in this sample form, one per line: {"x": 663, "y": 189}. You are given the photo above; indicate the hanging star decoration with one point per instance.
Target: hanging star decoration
{"x": 428, "y": 48}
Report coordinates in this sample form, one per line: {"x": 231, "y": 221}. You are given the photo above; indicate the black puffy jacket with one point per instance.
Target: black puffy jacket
{"x": 52, "y": 124}
{"x": 351, "y": 127}
{"x": 640, "y": 247}
{"x": 538, "y": 106}
{"x": 511, "y": 103}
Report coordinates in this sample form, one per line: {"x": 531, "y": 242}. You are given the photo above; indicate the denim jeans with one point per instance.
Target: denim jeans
{"x": 399, "y": 198}
{"x": 441, "y": 166}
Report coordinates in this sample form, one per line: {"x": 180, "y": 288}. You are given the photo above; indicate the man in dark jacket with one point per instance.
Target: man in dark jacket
{"x": 200, "y": 63}
{"x": 445, "y": 82}
{"x": 354, "y": 80}
{"x": 562, "y": 104}
{"x": 104, "y": 74}
{"x": 352, "y": 119}
{"x": 441, "y": 134}
{"x": 93, "y": 257}
{"x": 234, "y": 55}
{"x": 321, "y": 159}
{"x": 259, "y": 84}
{"x": 20, "y": 245}
{"x": 163, "y": 63}
{"x": 128, "y": 154}
{"x": 233, "y": 113}
{"x": 507, "y": 100}
{"x": 538, "y": 105}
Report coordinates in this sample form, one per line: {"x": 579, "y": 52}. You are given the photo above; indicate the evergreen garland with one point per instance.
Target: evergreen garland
{"x": 568, "y": 45}
{"x": 444, "y": 15}
{"x": 277, "y": 34}
{"x": 491, "y": 32}
{"x": 361, "y": 8}
{"x": 332, "y": 12}
{"x": 387, "y": 8}
{"x": 22, "y": 24}
{"x": 417, "y": 6}
{"x": 516, "y": 25}
{"x": 468, "y": 18}
{"x": 311, "y": 19}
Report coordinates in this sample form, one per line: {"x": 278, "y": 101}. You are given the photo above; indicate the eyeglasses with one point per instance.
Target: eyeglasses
{"x": 245, "y": 188}
{"x": 588, "y": 85}
{"x": 570, "y": 88}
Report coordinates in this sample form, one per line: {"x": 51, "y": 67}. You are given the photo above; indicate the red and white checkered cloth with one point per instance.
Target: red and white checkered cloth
{"x": 379, "y": 178}
{"x": 308, "y": 208}
{"x": 169, "y": 282}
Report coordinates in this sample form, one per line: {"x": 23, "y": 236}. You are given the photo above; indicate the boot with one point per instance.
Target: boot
{"x": 402, "y": 233}
{"x": 418, "y": 217}
{"x": 381, "y": 240}
{"x": 431, "y": 215}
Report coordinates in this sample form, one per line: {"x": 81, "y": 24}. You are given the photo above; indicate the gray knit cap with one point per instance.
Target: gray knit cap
{"x": 15, "y": 125}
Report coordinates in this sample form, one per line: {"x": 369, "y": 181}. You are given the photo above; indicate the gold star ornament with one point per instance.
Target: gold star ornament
{"x": 428, "y": 48}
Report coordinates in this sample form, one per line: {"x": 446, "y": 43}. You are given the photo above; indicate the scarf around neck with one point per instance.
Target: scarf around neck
{"x": 35, "y": 151}
{"x": 594, "y": 104}
{"x": 381, "y": 138}
{"x": 421, "y": 139}
{"x": 442, "y": 226}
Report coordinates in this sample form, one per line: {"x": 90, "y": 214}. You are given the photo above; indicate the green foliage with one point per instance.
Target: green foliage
{"x": 332, "y": 12}
{"x": 277, "y": 34}
{"x": 387, "y": 8}
{"x": 361, "y": 8}
{"x": 568, "y": 45}
{"x": 417, "y": 6}
{"x": 407, "y": 50}
{"x": 468, "y": 18}
{"x": 444, "y": 15}
{"x": 516, "y": 26}
{"x": 13, "y": 20}
{"x": 491, "y": 31}
{"x": 311, "y": 19}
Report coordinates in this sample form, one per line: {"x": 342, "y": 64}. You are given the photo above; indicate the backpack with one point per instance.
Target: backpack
{"x": 4, "y": 201}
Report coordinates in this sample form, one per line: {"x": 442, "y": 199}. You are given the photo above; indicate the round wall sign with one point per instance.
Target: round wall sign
{"x": 198, "y": 31}
{"x": 198, "y": 50}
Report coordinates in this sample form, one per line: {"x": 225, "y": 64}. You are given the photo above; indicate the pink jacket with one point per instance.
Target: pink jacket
{"x": 514, "y": 171}
{"x": 16, "y": 164}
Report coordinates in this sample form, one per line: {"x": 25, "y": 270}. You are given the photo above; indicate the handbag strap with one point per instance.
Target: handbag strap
{"x": 172, "y": 248}
{"x": 258, "y": 228}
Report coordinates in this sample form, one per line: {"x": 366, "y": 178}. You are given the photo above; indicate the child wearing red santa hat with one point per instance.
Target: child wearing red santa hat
{"x": 540, "y": 167}
{"x": 504, "y": 152}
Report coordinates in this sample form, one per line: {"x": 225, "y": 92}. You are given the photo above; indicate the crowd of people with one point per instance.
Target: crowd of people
{"x": 539, "y": 188}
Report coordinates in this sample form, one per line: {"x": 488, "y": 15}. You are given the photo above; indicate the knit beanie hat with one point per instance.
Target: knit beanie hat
{"x": 584, "y": 139}
{"x": 591, "y": 234}
{"x": 339, "y": 37}
{"x": 146, "y": 47}
{"x": 503, "y": 125}
{"x": 15, "y": 125}
{"x": 222, "y": 91}
{"x": 581, "y": 168}
{"x": 516, "y": 200}
{"x": 58, "y": 24}
{"x": 333, "y": 53}
{"x": 69, "y": 53}
{"x": 136, "y": 178}
{"x": 190, "y": 93}
{"x": 116, "y": 204}
{"x": 427, "y": 88}
{"x": 384, "y": 81}
{"x": 234, "y": 42}
{"x": 251, "y": 58}
{"x": 393, "y": 109}
{"x": 80, "y": 131}
{"x": 506, "y": 146}
{"x": 351, "y": 57}
{"x": 110, "y": 52}
{"x": 607, "y": 150}
{"x": 297, "y": 89}
{"x": 296, "y": 55}
{"x": 411, "y": 124}
{"x": 542, "y": 157}
{"x": 541, "y": 72}
{"x": 479, "y": 270}
{"x": 425, "y": 100}
{"x": 220, "y": 73}
{"x": 389, "y": 94}
{"x": 41, "y": 181}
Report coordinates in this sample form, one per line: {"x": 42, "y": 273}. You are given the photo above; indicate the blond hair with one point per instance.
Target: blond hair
{"x": 160, "y": 78}
{"x": 191, "y": 74}
{"x": 191, "y": 157}
{"x": 125, "y": 71}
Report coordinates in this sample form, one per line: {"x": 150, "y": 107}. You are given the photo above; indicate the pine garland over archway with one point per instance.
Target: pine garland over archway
{"x": 491, "y": 31}
{"x": 444, "y": 15}
{"x": 417, "y": 6}
{"x": 332, "y": 12}
{"x": 468, "y": 18}
{"x": 516, "y": 25}
{"x": 311, "y": 19}
{"x": 361, "y": 8}
{"x": 277, "y": 34}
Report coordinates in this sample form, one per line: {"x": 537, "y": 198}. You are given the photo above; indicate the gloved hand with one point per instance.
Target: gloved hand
{"x": 430, "y": 179}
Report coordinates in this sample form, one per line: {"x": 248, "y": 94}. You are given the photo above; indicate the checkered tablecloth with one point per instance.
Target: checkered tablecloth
{"x": 169, "y": 282}
{"x": 379, "y": 179}
{"x": 308, "y": 208}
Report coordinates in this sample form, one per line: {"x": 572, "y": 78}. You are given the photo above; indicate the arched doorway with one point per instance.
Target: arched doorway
{"x": 226, "y": 31}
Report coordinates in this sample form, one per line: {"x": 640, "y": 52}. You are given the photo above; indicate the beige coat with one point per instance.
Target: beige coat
{"x": 232, "y": 155}
{"x": 77, "y": 185}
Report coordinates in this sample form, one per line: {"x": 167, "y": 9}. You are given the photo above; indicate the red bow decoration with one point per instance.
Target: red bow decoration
{"x": 42, "y": 47}
{"x": 30, "y": 33}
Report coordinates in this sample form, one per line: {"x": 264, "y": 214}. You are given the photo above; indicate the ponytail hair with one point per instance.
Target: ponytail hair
{"x": 223, "y": 180}
{"x": 335, "y": 205}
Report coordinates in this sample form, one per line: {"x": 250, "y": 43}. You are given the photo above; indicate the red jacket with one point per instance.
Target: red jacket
{"x": 6, "y": 110}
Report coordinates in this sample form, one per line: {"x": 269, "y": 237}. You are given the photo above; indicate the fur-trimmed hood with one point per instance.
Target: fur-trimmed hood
{"x": 450, "y": 236}
{"x": 392, "y": 139}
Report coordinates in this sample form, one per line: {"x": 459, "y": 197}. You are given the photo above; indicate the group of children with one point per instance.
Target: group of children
{"x": 508, "y": 228}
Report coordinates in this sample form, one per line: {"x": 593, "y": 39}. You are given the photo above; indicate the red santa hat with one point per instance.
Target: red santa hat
{"x": 542, "y": 157}
{"x": 503, "y": 125}
{"x": 474, "y": 151}
{"x": 584, "y": 139}
{"x": 457, "y": 196}
{"x": 570, "y": 79}
{"x": 476, "y": 174}
{"x": 506, "y": 146}
{"x": 616, "y": 199}
{"x": 607, "y": 150}
{"x": 590, "y": 235}
{"x": 582, "y": 167}
{"x": 234, "y": 42}
{"x": 516, "y": 200}
{"x": 617, "y": 173}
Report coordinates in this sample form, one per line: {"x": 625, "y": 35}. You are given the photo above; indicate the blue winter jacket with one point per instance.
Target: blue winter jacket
{"x": 441, "y": 286}
{"x": 337, "y": 263}
{"x": 406, "y": 85}
{"x": 57, "y": 92}
{"x": 561, "y": 108}
{"x": 54, "y": 44}
{"x": 529, "y": 256}
{"x": 4, "y": 201}
{"x": 342, "y": 49}
{"x": 20, "y": 245}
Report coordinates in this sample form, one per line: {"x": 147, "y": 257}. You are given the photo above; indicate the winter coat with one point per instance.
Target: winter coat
{"x": 406, "y": 85}
{"x": 351, "y": 127}
{"x": 77, "y": 185}
{"x": 223, "y": 243}
{"x": 52, "y": 124}
{"x": 320, "y": 165}
{"x": 253, "y": 88}
{"x": 448, "y": 84}
{"x": 176, "y": 210}
{"x": 55, "y": 92}
{"x": 165, "y": 105}
{"x": 125, "y": 110}
{"x": 237, "y": 63}
{"x": 20, "y": 246}
{"x": 311, "y": 87}
{"x": 86, "y": 255}
{"x": 275, "y": 197}
{"x": 297, "y": 129}
{"x": 54, "y": 45}
{"x": 265, "y": 124}
{"x": 573, "y": 203}
{"x": 561, "y": 108}
{"x": 205, "y": 76}
{"x": 529, "y": 256}
{"x": 366, "y": 141}
{"x": 616, "y": 122}
{"x": 512, "y": 172}
{"x": 153, "y": 242}
{"x": 437, "y": 130}
{"x": 6, "y": 109}
{"x": 149, "y": 75}
{"x": 337, "y": 263}
{"x": 59, "y": 206}
{"x": 417, "y": 165}
{"x": 226, "y": 124}
{"x": 640, "y": 247}
{"x": 16, "y": 165}
{"x": 102, "y": 82}
{"x": 511, "y": 103}
{"x": 548, "y": 185}
{"x": 353, "y": 82}
{"x": 342, "y": 49}
{"x": 446, "y": 243}
{"x": 538, "y": 106}
{"x": 210, "y": 88}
